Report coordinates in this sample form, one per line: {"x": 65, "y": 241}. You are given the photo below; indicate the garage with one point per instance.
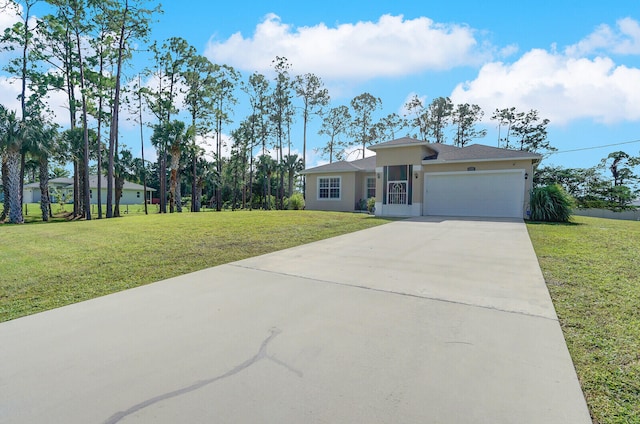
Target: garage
{"x": 497, "y": 193}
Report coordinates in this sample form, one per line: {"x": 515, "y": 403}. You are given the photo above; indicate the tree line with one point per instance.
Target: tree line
{"x": 611, "y": 184}
{"x": 82, "y": 49}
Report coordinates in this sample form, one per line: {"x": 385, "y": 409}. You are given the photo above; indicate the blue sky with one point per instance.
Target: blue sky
{"x": 576, "y": 62}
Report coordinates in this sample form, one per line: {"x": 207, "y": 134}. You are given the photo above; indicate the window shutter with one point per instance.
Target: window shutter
{"x": 384, "y": 186}
{"x": 410, "y": 188}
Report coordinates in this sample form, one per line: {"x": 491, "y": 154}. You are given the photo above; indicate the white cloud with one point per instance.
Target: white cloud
{"x": 9, "y": 15}
{"x": 55, "y": 100}
{"x": 561, "y": 87}
{"x": 392, "y": 46}
{"x": 624, "y": 39}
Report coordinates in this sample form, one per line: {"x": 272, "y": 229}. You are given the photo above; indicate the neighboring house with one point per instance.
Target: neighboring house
{"x": 131, "y": 193}
{"x": 340, "y": 186}
{"x": 414, "y": 178}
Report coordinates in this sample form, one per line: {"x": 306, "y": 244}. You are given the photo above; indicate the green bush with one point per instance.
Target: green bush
{"x": 371, "y": 204}
{"x": 551, "y": 204}
{"x": 296, "y": 202}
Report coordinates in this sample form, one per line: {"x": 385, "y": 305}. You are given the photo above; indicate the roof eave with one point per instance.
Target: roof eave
{"x": 442, "y": 161}
{"x": 393, "y": 146}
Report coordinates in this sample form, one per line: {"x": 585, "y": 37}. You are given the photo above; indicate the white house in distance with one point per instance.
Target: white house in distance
{"x": 132, "y": 193}
{"x": 414, "y": 178}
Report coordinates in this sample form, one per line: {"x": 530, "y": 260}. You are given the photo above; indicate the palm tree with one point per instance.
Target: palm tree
{"x": 39, "y": 143}
{"x": 11, "y": 136}
{"x": 266, "y": 167}
{"x": 292, "y": 164}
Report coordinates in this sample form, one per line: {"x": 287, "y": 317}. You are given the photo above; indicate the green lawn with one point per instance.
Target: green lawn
{"x": 592, "y": 269}
{"x": 48, "y": 265}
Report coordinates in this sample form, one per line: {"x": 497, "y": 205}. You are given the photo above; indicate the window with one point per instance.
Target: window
{"x": 371, "y": 187}
{"x": 329, "y": 188}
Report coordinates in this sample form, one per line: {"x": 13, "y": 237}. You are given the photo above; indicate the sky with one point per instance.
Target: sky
{"x": 576, "y": 62}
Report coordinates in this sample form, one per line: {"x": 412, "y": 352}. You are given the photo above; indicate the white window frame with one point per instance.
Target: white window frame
{"x": 366, "y": 186}
{"x": 330, "y": 187}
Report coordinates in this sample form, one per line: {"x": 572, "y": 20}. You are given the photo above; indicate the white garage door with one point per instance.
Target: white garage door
{"x": 475, "y": 193}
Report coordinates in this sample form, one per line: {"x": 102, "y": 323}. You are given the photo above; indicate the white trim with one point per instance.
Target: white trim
{"x": 329, "y": 177}
{"x": 486, "y": 171}
{"x": 366, "y": 185}
{"x": 442, "y": 161}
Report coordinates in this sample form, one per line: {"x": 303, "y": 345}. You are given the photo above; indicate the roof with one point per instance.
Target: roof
{"x": 359, "y": 165}
{"x": 449, "y": 153}
{"x": 93, "y": 183}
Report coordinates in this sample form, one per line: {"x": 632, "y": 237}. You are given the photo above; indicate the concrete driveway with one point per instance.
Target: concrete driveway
{"x": 417, "y": 321}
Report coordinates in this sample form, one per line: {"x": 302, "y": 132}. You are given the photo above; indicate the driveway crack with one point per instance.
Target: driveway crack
{"x": 260, "y": 355}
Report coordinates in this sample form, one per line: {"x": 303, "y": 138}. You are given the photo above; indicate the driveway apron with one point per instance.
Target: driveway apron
{"x": 427, "y": 320}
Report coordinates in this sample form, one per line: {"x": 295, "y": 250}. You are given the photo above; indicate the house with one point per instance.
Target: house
{"x": 340, "y": 186}
{"x": 414, "y": 178}
{"x": 132, "y": 193}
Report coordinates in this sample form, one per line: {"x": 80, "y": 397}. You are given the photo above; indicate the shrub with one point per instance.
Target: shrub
{"x": 296, "y": 202}
{"x": 551, "y": 204}
{"x": 371, "y": 204}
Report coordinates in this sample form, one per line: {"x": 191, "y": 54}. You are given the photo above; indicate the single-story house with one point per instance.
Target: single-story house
{"x": 132, "y": 193}
{"x": 414, "y": 178}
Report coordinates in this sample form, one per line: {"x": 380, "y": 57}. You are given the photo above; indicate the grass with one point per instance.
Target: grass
{"x": 45, "y": 266}
{"x": 592, "y": 270}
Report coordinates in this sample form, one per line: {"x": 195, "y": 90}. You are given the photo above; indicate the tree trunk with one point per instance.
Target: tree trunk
{"x": 5, "y": 189}
{"x": 119, "y": 185}
{"x": 44, "y": 188}
{"x": 13, "y": 183}
{"x": 175, "y": 162}
{"x": 163, "y": 180}
{"x": 178, "y": 192}
{"x": 113, "y": 135}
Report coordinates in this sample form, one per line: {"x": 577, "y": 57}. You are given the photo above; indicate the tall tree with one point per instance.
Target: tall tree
{"x": 440, "y": 111}
{"x": 224, "y": 98}
{"x": 531, "y": 132}
{"x": 506, "y": 117}
{"x": 390, "y": 125}
{"x": 465, "y": 117}
{"x": 281, "y": 105}
{"x": 73, "y": 15}
{"x": 335, "y": 123}
{"x": 417, "y": 117}
{"x": 361, "y": 128}
{"x": 23, "y": 36}
{"x": 40, "y": 143}
{"x": 257, "y": 88}
{"x": 315, "y": 97}
{"x": 11, "y": 136}
{"x": 200, "y": 79}
{"x": 130, "y": 21}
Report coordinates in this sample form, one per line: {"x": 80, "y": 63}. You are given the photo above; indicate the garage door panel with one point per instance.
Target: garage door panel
{"x": 484, "y": 194}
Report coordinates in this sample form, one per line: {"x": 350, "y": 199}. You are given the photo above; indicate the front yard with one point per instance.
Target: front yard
{"x": 45, "y": 266}
{"x": 592, "y": 270}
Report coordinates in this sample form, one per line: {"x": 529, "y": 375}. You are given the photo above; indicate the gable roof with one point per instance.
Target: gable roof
{"x": 449, "y": 153}
{"x": 359, "y": 165}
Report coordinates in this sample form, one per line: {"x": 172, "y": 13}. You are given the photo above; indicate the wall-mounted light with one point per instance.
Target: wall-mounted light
{"x": 378, "y": 175}
{"x": 526, "y": 175}
{"x": 416, "y": 175}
